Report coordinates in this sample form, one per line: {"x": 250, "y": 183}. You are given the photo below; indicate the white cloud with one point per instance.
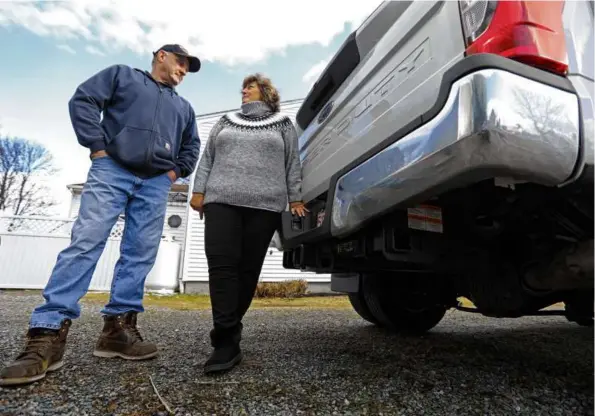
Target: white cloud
{"x": 94, "y": 51}
{"x": 66, "y": 48}
{"x": 244, "y": 32}
{"x": 313, "y": 73}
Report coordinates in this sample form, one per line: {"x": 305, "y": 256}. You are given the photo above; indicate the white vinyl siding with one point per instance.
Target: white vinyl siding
{"x": 75, "y": 205}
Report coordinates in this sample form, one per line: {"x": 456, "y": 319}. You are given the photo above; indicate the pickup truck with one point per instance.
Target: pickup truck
{"x": 447, "y": 153}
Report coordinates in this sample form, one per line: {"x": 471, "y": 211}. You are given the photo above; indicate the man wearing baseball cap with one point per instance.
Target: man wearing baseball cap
{"x": 146, "y": 139}
{"x": 193, "y": 61}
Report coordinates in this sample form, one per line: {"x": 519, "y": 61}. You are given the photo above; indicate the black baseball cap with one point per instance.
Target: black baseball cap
{"x": 181, "y": 51}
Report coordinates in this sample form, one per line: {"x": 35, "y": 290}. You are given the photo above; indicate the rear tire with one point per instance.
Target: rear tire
{"x": 579, "y": 308}
{"x": 359, "y": 305}
{"x": 406, "y": 304}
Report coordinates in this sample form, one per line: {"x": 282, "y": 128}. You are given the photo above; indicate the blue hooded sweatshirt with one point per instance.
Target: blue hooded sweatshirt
{"x": 146, "y": 127}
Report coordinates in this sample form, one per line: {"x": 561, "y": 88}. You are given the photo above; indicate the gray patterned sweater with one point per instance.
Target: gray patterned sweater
{"x": 251, "y": 159}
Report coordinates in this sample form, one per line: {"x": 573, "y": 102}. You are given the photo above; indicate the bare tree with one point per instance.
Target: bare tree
{"x": 23, "y": 165}
{"x": 542, "y": 112}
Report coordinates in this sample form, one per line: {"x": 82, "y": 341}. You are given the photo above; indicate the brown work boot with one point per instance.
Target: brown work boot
{"x": 43, "y": 352}
{"x": 121, "y": 338}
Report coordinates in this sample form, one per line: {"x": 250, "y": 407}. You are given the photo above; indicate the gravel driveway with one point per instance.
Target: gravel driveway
{"x": 325, "y": 362}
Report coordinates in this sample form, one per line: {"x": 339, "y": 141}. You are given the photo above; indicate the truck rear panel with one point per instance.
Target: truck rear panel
{"x": 580, "y": 42}
{"x": 398, "y": 57}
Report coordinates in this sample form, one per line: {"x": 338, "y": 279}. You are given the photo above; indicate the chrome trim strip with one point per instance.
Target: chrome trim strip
{"x": 494, "y": 124}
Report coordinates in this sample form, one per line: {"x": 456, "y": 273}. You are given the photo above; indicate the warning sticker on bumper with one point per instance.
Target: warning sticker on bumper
{"x": 425, "y": 218}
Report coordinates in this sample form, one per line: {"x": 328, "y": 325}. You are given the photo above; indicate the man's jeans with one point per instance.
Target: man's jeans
{"x": 109, "y": 191}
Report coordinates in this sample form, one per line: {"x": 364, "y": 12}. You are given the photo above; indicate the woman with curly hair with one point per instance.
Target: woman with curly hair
{"x": 250, "y": 171}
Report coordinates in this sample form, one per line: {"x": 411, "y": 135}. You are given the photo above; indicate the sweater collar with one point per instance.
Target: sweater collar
{"x": 256, "y": 109}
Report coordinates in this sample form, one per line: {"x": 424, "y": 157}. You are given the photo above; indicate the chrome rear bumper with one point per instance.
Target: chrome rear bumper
{"x": 494, "y": 124}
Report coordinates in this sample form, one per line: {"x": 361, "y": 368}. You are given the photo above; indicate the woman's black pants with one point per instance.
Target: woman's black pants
{"x": 236, "y": 242}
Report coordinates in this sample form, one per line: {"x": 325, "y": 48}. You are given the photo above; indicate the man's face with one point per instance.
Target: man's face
{"x": 173, "y": 68}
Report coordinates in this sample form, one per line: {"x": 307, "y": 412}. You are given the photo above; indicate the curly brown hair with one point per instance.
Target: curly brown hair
{"x": 269, "y": 94}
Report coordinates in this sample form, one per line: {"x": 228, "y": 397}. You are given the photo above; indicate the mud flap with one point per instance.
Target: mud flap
{"x": 345, "y": 282}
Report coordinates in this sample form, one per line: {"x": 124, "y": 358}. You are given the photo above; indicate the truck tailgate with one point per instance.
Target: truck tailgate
{"x": 397, "y": 58}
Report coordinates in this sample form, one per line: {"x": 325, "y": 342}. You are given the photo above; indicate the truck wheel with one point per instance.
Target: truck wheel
{"x": 399, "y": 306}
{"x": 359, "y": 305}
{"x": 579, "y": 309}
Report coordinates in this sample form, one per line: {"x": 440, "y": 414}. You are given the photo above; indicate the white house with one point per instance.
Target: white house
{"x": 184, "y": 227}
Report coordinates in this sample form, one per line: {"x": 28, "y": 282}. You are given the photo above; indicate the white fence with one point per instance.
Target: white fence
{"x": 44, "y": 226}
{"x": 29, "y": 247}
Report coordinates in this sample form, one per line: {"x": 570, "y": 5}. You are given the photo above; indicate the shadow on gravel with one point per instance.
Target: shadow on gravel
{"x": 552, "y": 351}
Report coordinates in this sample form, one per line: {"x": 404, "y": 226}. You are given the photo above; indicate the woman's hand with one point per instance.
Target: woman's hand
{"x": 298, "y": 208}
{"x": 196, "y": 203}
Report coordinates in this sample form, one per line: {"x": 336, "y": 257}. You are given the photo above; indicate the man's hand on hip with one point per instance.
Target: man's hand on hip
{"x": 99, "y": 153}
{"x": 172, "y": 175}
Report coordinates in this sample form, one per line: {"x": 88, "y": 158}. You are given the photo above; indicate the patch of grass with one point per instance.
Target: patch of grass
{"x": 203, "y": 302}
{"x": 287, "y": 289}
{"x": 466, "y": 302}
{"x": 175, "y": 301}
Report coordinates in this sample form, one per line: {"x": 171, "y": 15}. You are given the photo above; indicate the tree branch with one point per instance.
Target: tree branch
{"x": 22, "y": 164}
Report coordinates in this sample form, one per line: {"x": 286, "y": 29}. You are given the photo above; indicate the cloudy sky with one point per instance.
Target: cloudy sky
{"x": 49, "y": 47}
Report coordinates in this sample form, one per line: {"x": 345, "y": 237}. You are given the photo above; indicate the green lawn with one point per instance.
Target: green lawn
{"x": 202, "y": 302}
{"x": 198, "y": 302}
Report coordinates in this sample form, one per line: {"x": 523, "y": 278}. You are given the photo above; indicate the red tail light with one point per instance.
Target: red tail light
{"x": 527, "y": 31}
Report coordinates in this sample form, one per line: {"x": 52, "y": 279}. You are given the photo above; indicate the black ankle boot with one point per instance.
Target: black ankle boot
{"x": 223, "y": 358}
{"x": 227, "y": 353}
